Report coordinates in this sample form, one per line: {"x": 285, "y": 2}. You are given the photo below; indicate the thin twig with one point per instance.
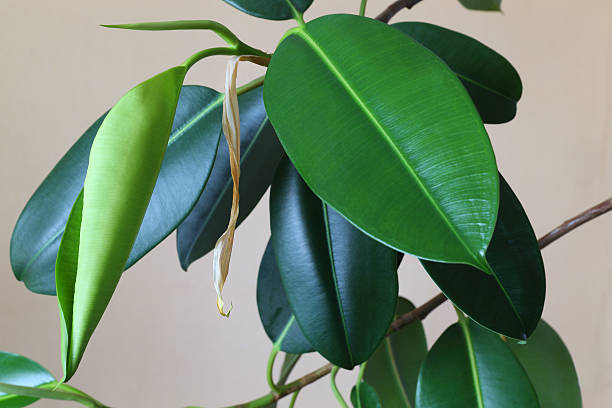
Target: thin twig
{"x": 395, "y": 8}
{"x": 422, "y": 311}
{"x": 575, "y": 222}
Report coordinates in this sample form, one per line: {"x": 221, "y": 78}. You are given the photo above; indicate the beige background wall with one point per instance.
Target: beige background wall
{"x": 161, "y": 342}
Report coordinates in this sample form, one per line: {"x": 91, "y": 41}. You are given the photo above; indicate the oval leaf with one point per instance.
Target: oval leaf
{"x": 550, "y": 368}
{"x": 470, "y": 366}
{"x": 274, "y": 310}
{"x": 484, "y": 5}
{"x": 125, "y": 160}
{"x": 407, "y": 160}
{"x": 260, "y": 154}
{"x": 187, "y": 164}
{"x": 509, "y": 301}
{"x": 341, "y": 285}
{"x": 271, "y": 9}
{"x": 365, "y": 396}
{"x": 491, "y": 81}
{"x": 19, "y": 370}
{"x": 393, "y": 369}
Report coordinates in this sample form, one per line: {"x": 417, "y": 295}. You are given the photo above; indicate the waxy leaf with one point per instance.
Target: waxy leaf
{"x": 550, "y": 368}
{"x": 260, "y": 154}
{"x": 19, "y": 370}
{"x": 125, "y": 160}
{"x": 341, "y": 284}
{"x": 274, "y": 310}
{"x": 271, "y": 9}
{"x": 511, "y": 299}
{"x": 187, "y": 164}
{"x": 365, "y": 396}
{"x": 491, "y": 81}
{"x": 404, "y": 156}
{"x": 393, "y": 369}
{"x": 485, "y": 5}
{"x": 470, "y": 366}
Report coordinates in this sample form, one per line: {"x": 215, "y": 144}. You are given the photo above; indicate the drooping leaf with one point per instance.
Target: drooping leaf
{"x": 484, "y": 5}
{"x": 393, "y": 369}
{"x": 341, "y": 284}
{"x": 470, "y": 366}
{"x": 511, "y": 299}
{"x": 260, "y": 154}
{"x": 19, "y": 370}
{"x": 271, "y": 9}
{"x": 404, "y": 156}
{"x": 550, "y": 368}
{"x": 491, "y": 81}
{"x": 365, "y": 397}
{"x": 125, "y": 160}
{"x": 187, "y": 164}
{"x": 274, "y": 310}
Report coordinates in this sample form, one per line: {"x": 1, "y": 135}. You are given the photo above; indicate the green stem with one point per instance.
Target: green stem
{"x": 50, "y": 391}
{"x": 256, "y": 83}
{"x": 299, "y": 17}
{"x": 362, "y": 8}
{"x": 198, "y": 56}
{"x": 358, "y": 383}
{"x": 334, "y": 387}
{"x": 275, "y": 349}
{"x": 293, "y": 399}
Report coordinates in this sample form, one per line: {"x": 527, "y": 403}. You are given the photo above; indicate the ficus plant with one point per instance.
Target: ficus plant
{"x": 378, "y": 151}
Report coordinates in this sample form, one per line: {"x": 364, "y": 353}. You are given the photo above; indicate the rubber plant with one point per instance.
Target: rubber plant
{"x": 378, "y": 151}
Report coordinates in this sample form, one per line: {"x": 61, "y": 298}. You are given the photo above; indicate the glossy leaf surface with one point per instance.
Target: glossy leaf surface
{"x": 365, "y": 397}
{"x": 510, "y": 301}
{"x": 271, "y": 9}
{"x": 260, "y": 154}
{"x": 188, "y": 161}
{"x": 393, "y": 369}
{"x": 404, "y": 156}
{"x": 470, "y": 366}
{"x": 341, "y": 284}
{"x": 491, "y": 81}
{"x": 274, "y": 310}
{"x": 485, "y": 5}
{"x": 550, "y": 368}
{"x": 125, "y": 160}
{"x": 19, "y": 370}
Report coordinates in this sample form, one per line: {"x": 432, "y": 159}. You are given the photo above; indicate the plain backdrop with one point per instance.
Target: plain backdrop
{"x": 161, "y": 342}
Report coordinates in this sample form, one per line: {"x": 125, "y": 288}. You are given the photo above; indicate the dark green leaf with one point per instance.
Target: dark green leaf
{"x": 365, "y": 397}
{"x": 550, "y": 368}
{"x": 260, "y": 154}
{"x": 492, "y": 82}
{"x": 393, "y": 369}
{"x": 470, "y": 366}
{"x": 186, "y": 166}
{"x": 271, "y": 9}
{"x": 485, "y": 5}
{"x": 124, "y": 164}
{"x": 274, "y": 310}
{"x": 510, "y": 301}
{"x": 341, "y": 285}
{"x": 403, "y": 155}
{"x": 18, "y": 370}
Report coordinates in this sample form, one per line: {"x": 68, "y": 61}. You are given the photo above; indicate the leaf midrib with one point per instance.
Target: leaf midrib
{"x": 301, "y": 32}
{"x": 464, "y": 324}
{"x": 330, "y": 250}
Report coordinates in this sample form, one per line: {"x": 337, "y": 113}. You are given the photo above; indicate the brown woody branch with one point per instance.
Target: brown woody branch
{"x": 395, "y": 8}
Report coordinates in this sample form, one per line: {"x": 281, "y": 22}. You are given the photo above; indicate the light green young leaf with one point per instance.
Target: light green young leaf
{"x": 125, "y": 160}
